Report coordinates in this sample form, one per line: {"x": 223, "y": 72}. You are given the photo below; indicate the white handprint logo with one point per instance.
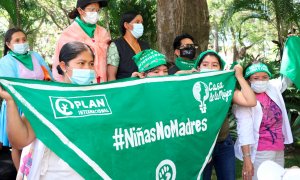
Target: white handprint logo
{"x": 197, "y": 95}
{"x": 166, "y": 170}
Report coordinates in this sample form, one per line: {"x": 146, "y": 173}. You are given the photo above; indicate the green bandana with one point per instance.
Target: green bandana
{"x": 25, "y": 59}
{"x": 89, "y": 29}
{"x": 255, "y": 68}
{"x": 149, "y": 59}
{"x": 222, "y": 63}
{"x": 183, "y": 64}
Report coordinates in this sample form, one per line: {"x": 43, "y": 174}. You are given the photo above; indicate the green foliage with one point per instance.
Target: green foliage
{"x": 11, "y": 8}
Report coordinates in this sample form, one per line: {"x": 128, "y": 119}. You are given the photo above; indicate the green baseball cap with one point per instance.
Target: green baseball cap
{"x": 149, "y": 59}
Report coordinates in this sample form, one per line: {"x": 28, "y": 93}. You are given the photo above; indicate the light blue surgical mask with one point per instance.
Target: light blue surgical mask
{"x": 138, "y": 30}
{"x": 82, "y": 76}
{"x": 21, "y": 48}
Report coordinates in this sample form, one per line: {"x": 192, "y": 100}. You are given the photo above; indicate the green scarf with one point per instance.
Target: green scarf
{"x": 183, "y": 64}
{"x": 25, "y": 59}
{"x": 89, "y": 29}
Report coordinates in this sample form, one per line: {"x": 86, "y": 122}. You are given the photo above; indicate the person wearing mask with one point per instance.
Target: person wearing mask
{"x": 223, "y": 158}
{"x": 185, "y": 51}
{"x": 19, "y": 62}
{"x": 121, "y": 51}
{"x": 76, "y": 65}
{"x": 264, "y": 129}
{"x": 85, "y": 29}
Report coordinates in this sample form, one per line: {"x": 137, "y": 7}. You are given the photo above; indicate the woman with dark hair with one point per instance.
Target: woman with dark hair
{"x": 76, "y": 65}
{"x": 85, "y": 29}
{"x": 263, "y": 130}
{"x": 223, "y": 159}
{"x": 19, "y": 62}
{"x": 121, "y": 51}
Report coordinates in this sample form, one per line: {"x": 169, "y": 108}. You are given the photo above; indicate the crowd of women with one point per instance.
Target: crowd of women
{"x": 85, "y": 54}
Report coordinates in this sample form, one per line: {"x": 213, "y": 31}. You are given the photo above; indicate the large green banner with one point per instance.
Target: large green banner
{"x": 153, "y": 128}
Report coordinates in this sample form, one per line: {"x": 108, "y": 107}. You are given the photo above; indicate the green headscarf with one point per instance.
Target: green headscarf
{"x": 183, "y": 64}
{"x": 25, "y": 59}
{"x": 149, "y": 59}
{"x": 203, "y": 54}
{"x": 255, "y": 68}
{"x": 89, "y": 29}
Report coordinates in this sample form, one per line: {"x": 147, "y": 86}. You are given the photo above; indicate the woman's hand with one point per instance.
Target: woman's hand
{"x": 186, "y": 71}
{"x": 248, "y": 169}
{"x": 138, "y": 74}
{"x": 238, "y": 71}
{"x": 5, "y": 95}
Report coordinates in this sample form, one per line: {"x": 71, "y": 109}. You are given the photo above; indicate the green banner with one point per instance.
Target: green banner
{"x": 153, "y": 128}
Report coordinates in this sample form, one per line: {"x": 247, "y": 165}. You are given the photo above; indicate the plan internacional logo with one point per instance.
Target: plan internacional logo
{"x": 80, "y": 106}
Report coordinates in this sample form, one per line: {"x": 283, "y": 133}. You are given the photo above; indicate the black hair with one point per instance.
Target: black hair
{"x": 7, "y": 38}
{"x": 177, "y": 40}
{"x": 74, "y": 13}
{"x": 127, "y": 17}
{"x": 70, "y": 51}
{"x": 211, "y": 54}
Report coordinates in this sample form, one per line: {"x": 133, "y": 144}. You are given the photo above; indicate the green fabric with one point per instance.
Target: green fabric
{"x": 89, "y": 29}
{"x": 183, "y": 64}
{"x": 255, "y": 68}
{"x": 149, "y": 59}
{"x": 290, "y": 64}
{"x": 197, "y": 62}
{"x": 25, "y": 59}
{"x": 129, "y": 129}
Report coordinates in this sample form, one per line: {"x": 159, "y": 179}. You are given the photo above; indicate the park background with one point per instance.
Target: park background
{"x": 240, "y": 30}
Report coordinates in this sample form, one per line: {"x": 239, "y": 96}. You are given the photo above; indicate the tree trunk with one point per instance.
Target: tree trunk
{"x": 216, "y": 37}
{"x": 175, "y": 17}
{"x": 18, "y": 9}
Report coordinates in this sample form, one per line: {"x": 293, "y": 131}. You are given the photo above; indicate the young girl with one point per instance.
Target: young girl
{"x": 264, "y": 129}
{"x": 223, "y": 158}
{"x": 76, "y": 65}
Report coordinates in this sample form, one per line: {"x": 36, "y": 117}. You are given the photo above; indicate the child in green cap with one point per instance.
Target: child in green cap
{"x": 223, "y": 159}
{"x": 150, "y": 63}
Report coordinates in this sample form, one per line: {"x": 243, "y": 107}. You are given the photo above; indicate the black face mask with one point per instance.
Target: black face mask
{"x": 188, "y": 52}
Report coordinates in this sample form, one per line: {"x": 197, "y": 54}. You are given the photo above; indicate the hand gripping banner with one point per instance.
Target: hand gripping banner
{"x": 153, "y": 128}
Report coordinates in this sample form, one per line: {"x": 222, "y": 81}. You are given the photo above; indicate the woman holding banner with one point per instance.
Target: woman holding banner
{"x": 223, "y": 158}
{"x": 19, "y": 62}
{"x": 264, "y": 129}
{"x": 76, "y": 65}
{"x": 85, "y": 29}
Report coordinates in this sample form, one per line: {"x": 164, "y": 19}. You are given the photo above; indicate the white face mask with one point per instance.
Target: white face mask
{"x": 207, "y": 70}
{"x": 138, "y": 30}
{"x": 91, "y": 17}
{"x": 21, "y": 48}
{"x": 259, "y": 86}
{"x": 82, "y": 76}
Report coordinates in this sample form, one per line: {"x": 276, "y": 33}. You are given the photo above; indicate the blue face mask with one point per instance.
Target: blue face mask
{"x": 82, "y": 76}
{"x": 138, "y": 30}
{"x": 21, "y": 48}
